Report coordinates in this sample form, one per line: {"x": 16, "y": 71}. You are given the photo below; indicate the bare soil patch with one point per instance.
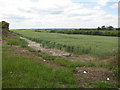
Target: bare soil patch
{"x": 82, "y": 58}
{"x": 84, "y": 75}
{"x": 39, "y": 48}
{"x": 54, "y": 52}
{"x": 94, "y": 74}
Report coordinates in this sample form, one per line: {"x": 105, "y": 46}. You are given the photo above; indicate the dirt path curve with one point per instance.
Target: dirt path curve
{"x": 55, "y": 52}
{"x": 84, "y": 75}
{"x": 37, "y": 47}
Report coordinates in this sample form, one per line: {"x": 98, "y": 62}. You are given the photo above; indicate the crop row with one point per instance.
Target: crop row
{"x": 71, "y": 49}
{"x": 68, "y": 48}
{"x": 76, "y": 44}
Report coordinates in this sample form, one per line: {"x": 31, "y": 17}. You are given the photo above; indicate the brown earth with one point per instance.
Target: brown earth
{"x": 94, "y": 74}
{"x": 55, "y": 52}
{"x": 37, "y": 47}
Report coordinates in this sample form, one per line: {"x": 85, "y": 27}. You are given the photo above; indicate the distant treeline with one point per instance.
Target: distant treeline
{"x": 101, "y": 31}
{"x": 89, "y": 32}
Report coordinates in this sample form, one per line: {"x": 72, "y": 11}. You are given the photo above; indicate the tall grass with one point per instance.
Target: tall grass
{"x": 15, "y": 41}
{"x": 105, "y": 86}
{"x": 23, "y": 72}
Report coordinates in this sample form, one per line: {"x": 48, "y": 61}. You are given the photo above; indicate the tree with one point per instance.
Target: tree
{"x": 103, "y": 27}
{"x": 98, "y": 28}
{"x": 110, "y": 28}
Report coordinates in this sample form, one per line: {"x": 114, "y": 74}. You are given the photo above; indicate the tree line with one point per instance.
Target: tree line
{"x": 101, "y": 31}
{"x": 107, "y": 28}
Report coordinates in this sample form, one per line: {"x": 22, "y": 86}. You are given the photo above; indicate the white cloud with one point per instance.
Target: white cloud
{"x": 114, "y": 6}
{"x": 104, "y": 2}
{"x": 53, "y": 13}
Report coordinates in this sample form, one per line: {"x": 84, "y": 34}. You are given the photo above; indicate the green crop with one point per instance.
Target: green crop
{"x": 100, "y": 46}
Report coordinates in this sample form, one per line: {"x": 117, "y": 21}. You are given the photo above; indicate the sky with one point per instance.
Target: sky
{"x": 59, "y": 13}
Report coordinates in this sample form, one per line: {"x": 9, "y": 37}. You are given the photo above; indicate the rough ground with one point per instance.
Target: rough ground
{"x": 84, "y": 74}
{"x": 94, "y": 74}
{"x": 37, "y": 47}
{"x": 24, "y": 52}
{"x": 54, "y": 52}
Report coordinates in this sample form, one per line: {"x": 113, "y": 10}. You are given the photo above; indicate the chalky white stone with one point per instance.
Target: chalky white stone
{"x": 84, "y": 72}
{"x": 108, "y": 79}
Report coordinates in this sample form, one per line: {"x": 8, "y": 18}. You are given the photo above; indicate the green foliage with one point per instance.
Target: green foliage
{"x": 16, "y": 41}
{"x": 103, "y": 27}
{"x": 99, "y": 32}
{"x": 55, "y": 59}
{"x": 104, "y": 85}
{"x": 100, "y": 46}
{"x": 110, "y": 28}
{"x": 70, "y": 64}
{"x": 74, "y": 86}
{"x": 98, "y": 28}
{"x": 23, "y": 72}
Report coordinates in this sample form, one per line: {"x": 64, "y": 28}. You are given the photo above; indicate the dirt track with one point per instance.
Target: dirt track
{"x": 54, "y": 52}
{"x": 93, "y": 74}
{"x": 37, "y": 47}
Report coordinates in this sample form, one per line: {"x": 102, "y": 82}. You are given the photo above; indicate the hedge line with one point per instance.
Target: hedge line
{"x": 89, "y": 32}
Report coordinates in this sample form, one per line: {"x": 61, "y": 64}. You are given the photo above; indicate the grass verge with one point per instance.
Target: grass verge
{"x": 15, "y": 41}
{"x": 23, "y": 72}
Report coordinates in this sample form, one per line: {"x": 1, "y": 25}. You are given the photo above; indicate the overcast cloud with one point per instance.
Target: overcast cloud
{"x": 59, "y": 13}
